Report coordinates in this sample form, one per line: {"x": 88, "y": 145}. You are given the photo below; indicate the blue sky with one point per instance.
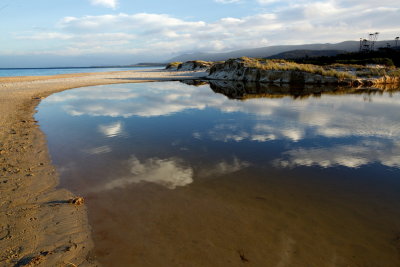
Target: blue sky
{"x": 39, "y": 33}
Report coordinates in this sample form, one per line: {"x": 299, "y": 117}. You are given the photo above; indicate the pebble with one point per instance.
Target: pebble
{"x": 77, "y": 201}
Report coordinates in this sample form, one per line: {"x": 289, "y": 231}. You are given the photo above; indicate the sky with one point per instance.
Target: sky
{"x": 49, "y": 33}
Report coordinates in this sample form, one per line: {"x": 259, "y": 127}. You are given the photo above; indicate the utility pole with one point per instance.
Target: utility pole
{"x": 373, "y": 37}
{"x": 396, "y": 40}
{"x": 371, "y": 41}
{"x": 364, "y": 45}
{"x": 376, "y": 37}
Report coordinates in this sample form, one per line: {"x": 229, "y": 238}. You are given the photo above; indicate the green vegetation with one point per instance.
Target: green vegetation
{"x": 195, "y": 64}
{"x": 378, "y": 61}
{"x": 375, "y": 72}
{"x": 303, "y": 53}
{"x": 173, "y": 65}
{"x": 283, "y": 65}
{"x": 201, "y": 62}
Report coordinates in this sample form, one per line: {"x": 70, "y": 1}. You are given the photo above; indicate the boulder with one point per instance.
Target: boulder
{"x": 195, "y": 65}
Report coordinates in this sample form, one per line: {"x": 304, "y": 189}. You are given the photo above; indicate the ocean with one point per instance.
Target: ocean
{"x": 12, "y": 72}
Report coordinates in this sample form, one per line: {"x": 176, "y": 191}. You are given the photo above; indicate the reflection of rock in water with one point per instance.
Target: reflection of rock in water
{"x": 243, "y": 90}
{"x": 194, "y": 82}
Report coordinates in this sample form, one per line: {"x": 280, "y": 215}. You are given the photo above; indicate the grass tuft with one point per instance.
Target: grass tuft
{"x": 268, "y": 64}
{"x": 173, "y": 65}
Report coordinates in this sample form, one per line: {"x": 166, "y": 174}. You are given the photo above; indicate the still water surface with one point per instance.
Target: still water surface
{"x": 183, "y": 175}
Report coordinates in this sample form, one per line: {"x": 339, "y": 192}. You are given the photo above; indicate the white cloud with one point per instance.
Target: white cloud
{"x": 45, "y": 36}
{"x": 169, "y": 173}
{"x": 266, "y": 2}
{"x": 293, "y": 134}
{"x": 329, "y": 116}
{"x": 106, "y": 3}
{"x": 102, "y": 93}
{"x": 261, "y": 132}
{"x": 98, "y": 150}
{"x": 289, "y": 22}
{"x": 351, "y": 156}
{"x": 147, "y": 23}
{"x": 224, "y": 167}
{"x": 227, "y": 1}
{"x": 334, "y": 117}
{"x": 111, "y": 130}
{"x": 154, "y": 101}
{"x": 283, "y": 118}
{"x": 161, "y": 36}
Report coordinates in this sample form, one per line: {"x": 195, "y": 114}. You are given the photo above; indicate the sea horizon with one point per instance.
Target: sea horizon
{"x": 19, "y": 72}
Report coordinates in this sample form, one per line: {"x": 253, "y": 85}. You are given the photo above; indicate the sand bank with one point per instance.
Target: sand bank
{"x": 37, "y": 224}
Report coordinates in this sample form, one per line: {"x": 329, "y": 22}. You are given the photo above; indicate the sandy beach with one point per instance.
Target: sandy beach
{"x": 38, "y": 225}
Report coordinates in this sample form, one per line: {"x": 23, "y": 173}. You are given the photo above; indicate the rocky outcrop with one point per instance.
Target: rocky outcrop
{"x": 173, "y": 65}
{"x": 195, "y": 65}
{"x": 247, "y": 70}
{"x": 238, "y": 70}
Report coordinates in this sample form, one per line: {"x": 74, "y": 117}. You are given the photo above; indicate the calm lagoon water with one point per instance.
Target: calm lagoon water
{"x": 183, "y": 175}
{"x": 56, "y": 71}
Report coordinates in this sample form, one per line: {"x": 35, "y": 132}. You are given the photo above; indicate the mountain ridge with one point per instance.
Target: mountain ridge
{"x": 296, "y": 54}
{"x": 262, "y": 52}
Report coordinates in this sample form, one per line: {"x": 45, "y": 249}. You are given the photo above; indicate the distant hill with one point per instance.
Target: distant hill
{"x": 348, "y": 46}
{"x": 295, "y": 54}
{"x": 147, "y": 64}
{"x": 152, "y": 64}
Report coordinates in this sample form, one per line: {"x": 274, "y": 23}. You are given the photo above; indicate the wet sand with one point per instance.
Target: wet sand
{"x": 238, "y": 220}
{"x": 37, "y": 224}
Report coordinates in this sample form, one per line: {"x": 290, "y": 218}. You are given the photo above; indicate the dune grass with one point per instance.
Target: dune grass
{"x": 372, "y": 72}
{"x": 173, "y": 65}
{"x": 283, "y": 65}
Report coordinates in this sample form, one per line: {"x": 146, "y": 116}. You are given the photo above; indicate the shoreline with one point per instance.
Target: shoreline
{"x": 38, "y": 225}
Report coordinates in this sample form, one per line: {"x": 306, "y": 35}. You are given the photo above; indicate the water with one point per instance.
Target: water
{"x": 183, "y": 175}
{"x": 56, "y": 71}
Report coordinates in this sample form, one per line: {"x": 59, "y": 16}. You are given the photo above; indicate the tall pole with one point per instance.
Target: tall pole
{"x": 371, "y": 42}
{"x": 374, "y": 38}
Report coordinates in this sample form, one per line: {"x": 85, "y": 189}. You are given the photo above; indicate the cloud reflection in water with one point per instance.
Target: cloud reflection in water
{"x": 329, "y": 116}
{"x": 352, "y": 156}
{"x": 169, "y": 173}
{"x": 111, "y": 130}
{"x": 98, "y": 150}
{"x": 224, "y": 167}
